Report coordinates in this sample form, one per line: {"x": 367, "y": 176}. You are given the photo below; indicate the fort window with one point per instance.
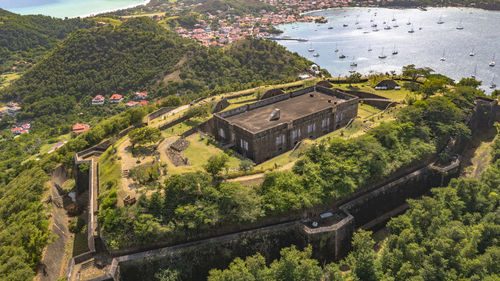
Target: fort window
{"x": 311, "y": 128}
{"x": 244, "y": 144}
{"x": 325, "y": 123}
{"x": 280, "y": 139}
{"x": 221, "y": 133}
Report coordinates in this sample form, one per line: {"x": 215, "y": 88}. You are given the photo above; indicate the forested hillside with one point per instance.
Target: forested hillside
{"x": 137, "y": 55}
{"x": 27, "y": 37}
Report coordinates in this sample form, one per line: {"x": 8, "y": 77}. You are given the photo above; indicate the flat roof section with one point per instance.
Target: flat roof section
{"x": 291, "y": 109}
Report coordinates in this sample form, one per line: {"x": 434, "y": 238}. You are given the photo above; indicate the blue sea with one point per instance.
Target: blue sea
{"x": 67, "y": 8}
{"x": 426, "y": 46}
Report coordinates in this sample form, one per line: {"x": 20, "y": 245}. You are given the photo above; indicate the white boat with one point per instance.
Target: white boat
{"x": 473, "y": 75}
{"x": 311, "y": 49}
{"x": 395, "y": 24}
{"x": 460, "y": 26}
{"x": 369, "y": 48}
{"x": 409, "y": 22}
{"x": 395, "y": 51}
{"x": 471, "y": 54}
{"x": 443, "y": 58}
{"x": 440, "y": 21}
{"x": 374, "y": 25}
{"x": 315, "y": 55}
{"x": 345, "y": 25}
{"x": 393, "y": 18}
{"x": 492, "y": 62}
{"x": 411, "y": 30}
{"x": 353, "y": 63}
{"x": 382, "y": 56}
{"x": 492, "y": 84}
{"x": 336, "y": 48}
{"x": 387, "y": 27}
{"x": 342, "y": 56}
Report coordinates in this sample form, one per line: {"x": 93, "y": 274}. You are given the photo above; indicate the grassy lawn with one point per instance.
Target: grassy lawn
{"x": 113, "y": 22}
{"x": 365, "y": 110}
{"x": 184, "y": 126}
{"x": 244, "y": 98}
{"x": 395, "y": 95}
{"x": 110, "y": 167}
{"x": 198, "y": 153}
{"x": 48, "y": 146}
{"x": 9, "y": 78}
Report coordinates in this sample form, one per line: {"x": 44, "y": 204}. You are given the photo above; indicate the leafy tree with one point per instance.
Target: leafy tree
{"x": 216, "y": 164}
{"x": 167, "y": 275}
{"x": 470, "y": 82}
{"x": 354, "y": 78}
{"x": 431, "y": 86}
{"x": 245, "y": 165}
{"x": 362, "y": 258}
{"x": 414, "y": 73}
{"x": 144, "y": 135}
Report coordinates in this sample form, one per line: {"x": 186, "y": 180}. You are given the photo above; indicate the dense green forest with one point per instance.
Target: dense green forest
{"x": 25, "y": 38}
{"x": 24, "y": 227}
{"x": 191, "y": 203}
{"x": 453, "y": 235}
{"x": 137, "y": 55}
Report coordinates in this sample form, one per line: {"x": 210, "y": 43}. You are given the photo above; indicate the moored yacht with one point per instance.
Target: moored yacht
{"x": 382, "y": 56}
{"x": 492, "y": 62}
{"x": 395, "y": 51}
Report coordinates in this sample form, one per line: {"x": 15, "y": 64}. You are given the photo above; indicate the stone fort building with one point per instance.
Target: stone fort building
{"x": 269, "y": 127}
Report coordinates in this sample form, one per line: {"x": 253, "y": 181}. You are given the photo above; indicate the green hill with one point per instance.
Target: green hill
{"x": 27, "y": 37}
{"x": 139, "y": 55}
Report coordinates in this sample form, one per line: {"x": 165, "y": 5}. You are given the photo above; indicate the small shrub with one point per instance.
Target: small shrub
{"x": 76, "y": 225}
{"x": 68, "y": 185}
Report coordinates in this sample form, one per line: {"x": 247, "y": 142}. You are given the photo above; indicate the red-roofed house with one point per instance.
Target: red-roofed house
{"x": 132, "y": 104}
{"x": 79, "y": 128}
{"x": 98, "y": 100}
{"x": 17, "y": 130}
{"x": 115, "y": 98}
{"x": 142, "y": 95}
{"x": 143, "y": 102}
{"x": 26, "y": 126}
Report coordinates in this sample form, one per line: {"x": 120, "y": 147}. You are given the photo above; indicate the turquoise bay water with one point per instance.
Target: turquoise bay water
{"x": 67, "y": 8}
{"x": 424, "y": 47}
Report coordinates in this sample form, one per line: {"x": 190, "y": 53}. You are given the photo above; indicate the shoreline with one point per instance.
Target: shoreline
{"x": 144, "y": 3}
{"x": 86, "y": 15}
